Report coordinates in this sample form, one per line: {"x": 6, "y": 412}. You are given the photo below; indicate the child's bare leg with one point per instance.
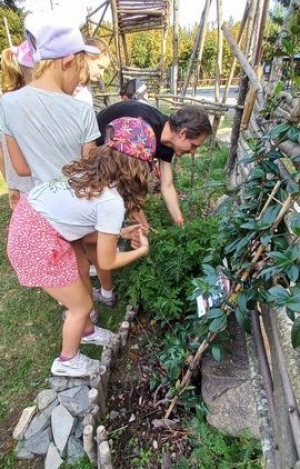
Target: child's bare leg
{"x": 83, "y": 264}
{"x": 79, "y": 303}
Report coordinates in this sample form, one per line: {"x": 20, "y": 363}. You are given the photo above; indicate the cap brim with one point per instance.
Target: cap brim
{"x": 91, "y": 49}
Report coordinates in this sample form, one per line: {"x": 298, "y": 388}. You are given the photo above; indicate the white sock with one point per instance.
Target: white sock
{"x": 106, "y": 293}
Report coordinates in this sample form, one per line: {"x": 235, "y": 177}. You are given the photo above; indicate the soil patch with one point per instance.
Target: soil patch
{"x": 138, "y": 434}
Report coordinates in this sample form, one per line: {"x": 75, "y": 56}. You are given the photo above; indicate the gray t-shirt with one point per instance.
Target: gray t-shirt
{"x": 73, "y": 217}
{"x": 50, "y": 128}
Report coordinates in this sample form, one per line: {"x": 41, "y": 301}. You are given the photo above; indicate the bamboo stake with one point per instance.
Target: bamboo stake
{"x": 217, "y": 117}
{"x": 89, "y": 444}
{"x": 233, "y": 65}
{"x": 193, "y": 57}
{"x": 243, "y": 61}
{"x": 7, "y": 31}
{"x": 200, "y": 47}
{"x": 174, "y": 83}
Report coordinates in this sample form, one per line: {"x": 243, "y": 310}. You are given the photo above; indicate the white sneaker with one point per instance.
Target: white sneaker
{"x": 98, "y": 337}
{"x": 109, "y": 302}
{"x": 77, "y": 367}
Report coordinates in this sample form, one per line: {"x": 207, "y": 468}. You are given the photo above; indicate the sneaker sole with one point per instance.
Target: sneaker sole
{"x": 71, "y": 375}
{"x": 85, "y": 341}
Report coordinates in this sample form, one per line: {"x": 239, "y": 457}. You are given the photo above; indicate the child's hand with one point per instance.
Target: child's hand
{"x": 13, "y": 197}
{"x": 130, "y": 232}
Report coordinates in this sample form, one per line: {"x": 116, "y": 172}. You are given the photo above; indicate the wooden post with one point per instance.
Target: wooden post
{"x": 116, "y": 38}
{"x": 233, "y": 64}
{"x": 201, "y": 45}
{"x": 7, "y": 31}
{"x": 174, "y": 82}
{"x": 259, "y": 49}
{"x": 217, "y": 117}
{"x": 199, "y": 38}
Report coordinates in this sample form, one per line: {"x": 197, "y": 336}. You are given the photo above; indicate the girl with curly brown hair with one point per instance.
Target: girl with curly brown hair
{"x": 90, "y": 198}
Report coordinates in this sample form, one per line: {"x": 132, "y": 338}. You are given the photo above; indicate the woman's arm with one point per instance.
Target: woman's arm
{"x": 17, "y": 158}
{"x": 169, "y": 193}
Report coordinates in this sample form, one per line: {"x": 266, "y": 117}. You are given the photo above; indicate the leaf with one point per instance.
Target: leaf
{"x": 277, "y": 255}
{"x": 290, "y": 314}
{"x": 293, "y": 273}
{"x": 292, "y": 187}
{"x": 218, "y": 324}
{"x": 295, "y": 224}
{"x": 280, "y": 130}
{"x": 216, "y": 353}
{"x": 274, "y": 154}
{"x": 295, "y": 333}
{"x": 278, "y": 293}
{"x": 242, "y": 301}
{"x": 293, "y": 306}
{"x": 249, "y": 225}
{"x": 271, "y": 167}
{"x": 243, "y": 319}
{"x": 215, "y": 313}
{"x": 270, "y": 214}
{"x": 293, "y": 134}
{"x": 295, "y": 158}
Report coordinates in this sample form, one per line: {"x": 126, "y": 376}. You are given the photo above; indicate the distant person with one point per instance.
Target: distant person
{"x": 16, "y": 68}
{"x": 83, "y": 90}
{"x": 90, "y": 198}
{"x": 134, "y": 89}
{"x": 93, "y": 69}
{"x": 100, "y": 62}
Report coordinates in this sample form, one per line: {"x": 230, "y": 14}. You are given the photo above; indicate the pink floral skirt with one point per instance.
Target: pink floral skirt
{"x": 38, "y": 254}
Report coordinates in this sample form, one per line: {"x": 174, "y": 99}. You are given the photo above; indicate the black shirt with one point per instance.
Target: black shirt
{"x": 131, "y": 108}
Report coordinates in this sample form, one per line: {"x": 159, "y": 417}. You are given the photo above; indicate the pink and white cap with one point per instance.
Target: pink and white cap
{"x": 22, "y": 54}
{"x": 52, "y": 37}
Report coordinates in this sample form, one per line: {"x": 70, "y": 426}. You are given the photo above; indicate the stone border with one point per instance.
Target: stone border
{"x": 61, "y": 425}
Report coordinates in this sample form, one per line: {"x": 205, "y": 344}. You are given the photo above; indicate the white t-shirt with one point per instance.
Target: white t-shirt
{"x": 73, "y": 217}
{"x": 50, "y": 128}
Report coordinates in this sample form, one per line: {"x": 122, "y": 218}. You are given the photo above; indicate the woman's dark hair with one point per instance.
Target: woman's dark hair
{"x": 193, "y": 118}
{"x": 133, "y": 89}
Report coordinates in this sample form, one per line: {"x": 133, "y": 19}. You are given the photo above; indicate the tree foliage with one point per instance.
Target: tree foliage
{"x": 15, "y": 23}
{"x": 11, "y": 4}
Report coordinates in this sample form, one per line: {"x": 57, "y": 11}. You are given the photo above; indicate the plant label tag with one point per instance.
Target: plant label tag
{"x": 201, "y": 306}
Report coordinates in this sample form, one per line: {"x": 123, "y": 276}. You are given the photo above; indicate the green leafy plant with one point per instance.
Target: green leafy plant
{"x": 211, "y": 449}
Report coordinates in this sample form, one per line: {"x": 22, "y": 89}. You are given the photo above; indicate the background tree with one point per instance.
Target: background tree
{"x": 13, "y": 5}
{"x": 14, "y": 18}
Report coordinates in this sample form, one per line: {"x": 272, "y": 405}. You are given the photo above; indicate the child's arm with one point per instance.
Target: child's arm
{"x": 110, "y": 259}
{"x": 2, "y": 166}
{"x": 17, "y": 158}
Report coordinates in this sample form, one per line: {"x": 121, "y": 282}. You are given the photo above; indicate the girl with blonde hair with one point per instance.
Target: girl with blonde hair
{"x": 16, "y": 67}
